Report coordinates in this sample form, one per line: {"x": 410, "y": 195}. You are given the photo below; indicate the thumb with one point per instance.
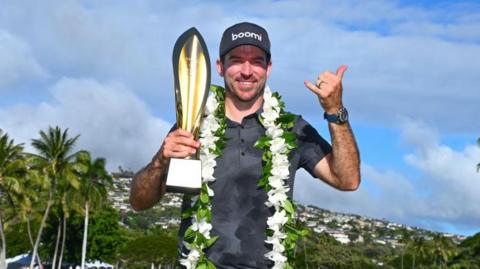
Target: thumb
{"x": 341, "y": 70}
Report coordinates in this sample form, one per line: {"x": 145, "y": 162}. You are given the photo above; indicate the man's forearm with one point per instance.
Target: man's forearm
{"x": 148, "y": 185}
{"x": 345, "y": 163}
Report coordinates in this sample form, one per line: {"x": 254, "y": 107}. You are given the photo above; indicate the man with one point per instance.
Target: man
{"x": 239, "y": 212}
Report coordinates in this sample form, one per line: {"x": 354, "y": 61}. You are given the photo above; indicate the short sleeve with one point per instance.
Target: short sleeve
{"x": 310, "y": 145}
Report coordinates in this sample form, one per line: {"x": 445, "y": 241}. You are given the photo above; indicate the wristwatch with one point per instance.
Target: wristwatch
{"x": 340, "y": 117}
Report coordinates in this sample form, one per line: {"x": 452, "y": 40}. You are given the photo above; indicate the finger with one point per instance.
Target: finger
{"x": 319, "y": 83}
{"x": 174, "y": 150}
{"x": 181, "y": 132}
{"x": 341, "y": 70}
{"x": 328, "y": 77}
{"x": 186, "y": 141}
{"x": 314, "y": 89}
{"x": 181, "y": 154}
{"x": 311, "y": 87}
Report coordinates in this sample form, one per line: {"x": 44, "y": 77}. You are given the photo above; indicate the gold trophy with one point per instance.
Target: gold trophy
{"x": 191, "y": 70}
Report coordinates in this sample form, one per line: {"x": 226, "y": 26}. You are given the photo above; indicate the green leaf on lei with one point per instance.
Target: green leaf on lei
{"x": 188, "y": 213}
{"x": 204, "y": 198}
{"x": 288, "y": 206}
{"x": 189, "y": 235}
{"x": 211, "y": 241}
{"x": 262, "y": 143}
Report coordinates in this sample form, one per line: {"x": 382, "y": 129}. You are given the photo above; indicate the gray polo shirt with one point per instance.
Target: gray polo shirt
{"x": 239, "y": 213}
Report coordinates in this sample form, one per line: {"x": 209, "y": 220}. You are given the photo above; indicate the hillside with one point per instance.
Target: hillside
{"x": 335, "y": 240}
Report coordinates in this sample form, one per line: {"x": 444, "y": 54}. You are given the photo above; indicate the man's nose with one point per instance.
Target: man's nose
{"x": 246, "y": 68}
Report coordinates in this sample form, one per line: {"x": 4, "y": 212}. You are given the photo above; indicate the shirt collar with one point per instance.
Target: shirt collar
{"x": 249, "y": 121}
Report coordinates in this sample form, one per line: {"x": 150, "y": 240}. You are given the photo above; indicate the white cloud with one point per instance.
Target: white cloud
{"x": 406, "y": 60}
{"x": 113, "y": 122}
{"x": 17, "y": 61}
{"x": 444, "y": 194}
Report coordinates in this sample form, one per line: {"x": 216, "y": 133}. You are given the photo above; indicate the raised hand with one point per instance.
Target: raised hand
{"x": 329, "y": 89}
{"x": 179, "y": 144}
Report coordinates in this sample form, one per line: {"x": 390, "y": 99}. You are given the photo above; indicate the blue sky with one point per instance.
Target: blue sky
{"x": 103, "y": 69}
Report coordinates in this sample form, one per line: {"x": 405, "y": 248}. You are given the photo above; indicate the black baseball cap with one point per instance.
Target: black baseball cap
{"x": 244, "y": 33}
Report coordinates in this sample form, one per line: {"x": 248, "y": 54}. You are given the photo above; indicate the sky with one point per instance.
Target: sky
{"x": 103, "y": 70}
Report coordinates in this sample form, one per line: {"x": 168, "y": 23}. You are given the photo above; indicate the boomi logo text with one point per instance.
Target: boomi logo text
{"x": 247, "y": 34}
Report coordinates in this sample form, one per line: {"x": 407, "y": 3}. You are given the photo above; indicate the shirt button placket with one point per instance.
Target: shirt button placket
{"x": 242, "y": 141}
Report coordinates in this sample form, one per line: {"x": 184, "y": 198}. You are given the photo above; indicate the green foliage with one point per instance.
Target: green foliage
{"x": 323, "y": 251}
{"x": 156, "y": 247}
{"x": 25, "y": 181}
{"x": 17, "y": 240}
{"x": 94, "y": 178}
{"x": 469, "y": 254}
{"x": 105, "y": 236}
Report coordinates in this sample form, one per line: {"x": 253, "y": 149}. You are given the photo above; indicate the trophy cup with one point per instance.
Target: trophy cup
{"x": 191, "y": 69}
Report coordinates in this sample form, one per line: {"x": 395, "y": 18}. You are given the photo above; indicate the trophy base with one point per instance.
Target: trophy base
{"x": 184, "y": 176}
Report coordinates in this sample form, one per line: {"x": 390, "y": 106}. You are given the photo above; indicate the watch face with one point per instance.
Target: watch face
{"x": 342, "y": 115}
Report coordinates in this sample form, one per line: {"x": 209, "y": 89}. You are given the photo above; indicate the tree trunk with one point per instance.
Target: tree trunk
{"x": 3, "y": 245}
{"x": 64, "y": 234}
{"x": 29, "y": 232}
{"x": 305, "y": 252}
{"x": 57, "y": 242}
{"x": 40, "y": 230}
{"x": 85, "y": 234}
{"x": 402, "y": 260}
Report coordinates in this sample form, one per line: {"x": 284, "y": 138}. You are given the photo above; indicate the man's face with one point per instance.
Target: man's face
{"x": 245, "y": 70}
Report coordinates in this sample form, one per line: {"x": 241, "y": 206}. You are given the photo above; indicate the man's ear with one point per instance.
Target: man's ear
{"x": 220, "y": 68}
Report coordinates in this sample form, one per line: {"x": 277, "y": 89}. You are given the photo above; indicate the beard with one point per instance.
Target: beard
{"x": 234, "y": 94}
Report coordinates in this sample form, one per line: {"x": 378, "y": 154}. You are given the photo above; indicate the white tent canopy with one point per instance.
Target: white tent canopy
{"x": 98, "y": 264}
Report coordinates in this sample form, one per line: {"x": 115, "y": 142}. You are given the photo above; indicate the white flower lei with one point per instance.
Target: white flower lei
{"x": 277, "y": 143}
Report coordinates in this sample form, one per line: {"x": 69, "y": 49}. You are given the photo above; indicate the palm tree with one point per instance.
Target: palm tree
{"x": 405, "y": 240}
{"x": 67, "y": 202}
{"x": 54, "y": 159}
{"x": 12, "y": 167}
{"x": 444, "y": 249}
{"x": 420, "y": 249}
{"x": 93, "y": 190}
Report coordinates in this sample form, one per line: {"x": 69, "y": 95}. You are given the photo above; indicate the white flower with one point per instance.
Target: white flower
{"x": 191, "y": 259}
{"x": 212, "y": 123}
{"x": 277, "y": 258}
{"x": 278, "y": 145}
{"x": 208, "y": 142}
{"x": 194, "y": 200}
{"x": 202, "y": 226}
{"x": 276, "y": 243}
{"x": 276, "y": 182}
{"x": 269, "y": 115}
{"x": 277, "y": 197}
{"x": 211, "y": 104}
{"x": 209, "y": 191}
{"x": 279, "y": 218}
{"x": 208, "y": 168}
{"x": 271, "y": 101}
{"x": 274, "y": 131}
{"x": 280, "y": 160}
{"x": 281, "y": 171}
